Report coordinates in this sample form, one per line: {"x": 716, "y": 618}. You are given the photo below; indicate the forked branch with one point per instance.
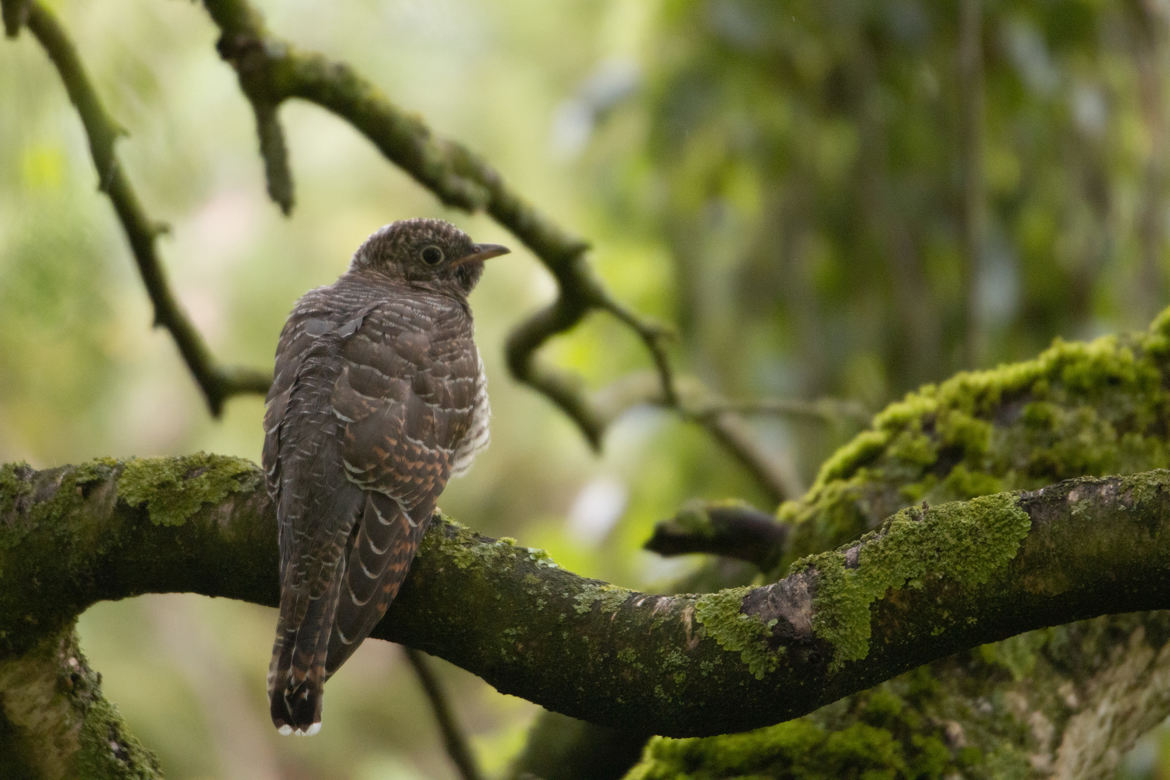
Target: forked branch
{"x": 217, "y": 382}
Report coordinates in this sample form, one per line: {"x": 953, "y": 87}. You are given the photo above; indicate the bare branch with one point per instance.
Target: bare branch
{"x": 729, "y": 528}
{"x": 275, "y": 154}
{"x": 15, "y": 13}
{"x": 218, "y": 383}
{"x": 453, "y": 739}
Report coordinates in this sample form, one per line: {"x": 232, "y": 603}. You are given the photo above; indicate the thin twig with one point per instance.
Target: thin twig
{"x": 275, "y": 154}
{"x": 217, "y": 382}
{"x": 15, "y": 12}
{"x": 777, "y": 474}
{"x": 457, "y": 747}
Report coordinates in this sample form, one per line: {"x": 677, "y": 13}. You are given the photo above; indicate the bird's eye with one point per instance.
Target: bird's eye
{"x": 432, "y": 255}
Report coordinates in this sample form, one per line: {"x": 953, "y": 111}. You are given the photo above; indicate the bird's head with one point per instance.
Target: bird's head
{"x": 427, "y": 253}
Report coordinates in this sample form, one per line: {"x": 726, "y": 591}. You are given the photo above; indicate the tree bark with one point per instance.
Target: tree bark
{"x": 930, "y": 581}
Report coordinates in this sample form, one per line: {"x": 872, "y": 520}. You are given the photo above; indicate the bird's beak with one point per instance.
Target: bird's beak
{"x": 482, "y": 252}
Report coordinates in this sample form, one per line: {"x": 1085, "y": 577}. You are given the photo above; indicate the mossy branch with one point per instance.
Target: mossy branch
{"x": 929, "y": 582}
{"x": 54, "y": 721}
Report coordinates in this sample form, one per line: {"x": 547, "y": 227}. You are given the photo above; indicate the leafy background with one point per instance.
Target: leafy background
{"x": 798, "y": 187}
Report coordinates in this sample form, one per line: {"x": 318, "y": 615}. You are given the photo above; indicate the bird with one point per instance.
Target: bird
{"x": 378, "y": 397}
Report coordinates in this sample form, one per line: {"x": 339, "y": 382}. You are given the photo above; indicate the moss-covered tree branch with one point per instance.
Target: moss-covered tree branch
{"x": 54, "y": 721}
{"x": 1077, "y": 409}
{"x": 1067, "y": 701}
{"x": 930, "y": 581}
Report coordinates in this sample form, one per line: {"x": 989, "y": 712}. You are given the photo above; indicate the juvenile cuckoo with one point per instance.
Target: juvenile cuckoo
{"x": 379, "y": 397}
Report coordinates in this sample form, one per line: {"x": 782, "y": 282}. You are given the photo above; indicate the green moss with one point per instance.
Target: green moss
{"x": 1079, "y": 408}
{"x": 51, "y": 526}
{"x": 864, "y": 448}
{"x": 914, "y": 446}
{"x": 721, "y": 619}
{"x": 458, "y": 542}
{"x": 963, "y": 481}
{"x": 1076, "y": 409}
{"x": 13, "y": 485}
{"x": 966, "y": 543}
{"x": 892, "y": 730}
{"x": 55, "y": 696}
{"x": 109, "y": 750}
{"x": 173, "y": 489}
{"x": 878, "y": 743}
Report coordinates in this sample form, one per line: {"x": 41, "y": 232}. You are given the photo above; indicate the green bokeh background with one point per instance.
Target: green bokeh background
{"x": 782, "y": 181}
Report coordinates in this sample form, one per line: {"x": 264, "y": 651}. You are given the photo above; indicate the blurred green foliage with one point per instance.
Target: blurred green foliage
{"x": 789, "y": 183}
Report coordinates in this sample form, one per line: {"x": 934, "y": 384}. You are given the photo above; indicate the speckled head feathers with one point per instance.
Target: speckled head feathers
{"x": 428, "y": 253}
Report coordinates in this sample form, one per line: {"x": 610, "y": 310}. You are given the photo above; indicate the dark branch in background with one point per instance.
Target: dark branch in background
{"x": 15, "y": 12}
{"x": 929, "y": 582}
{"x": 218, "y": 383}
{"x": 731, "y": 529}
{"x": 275, "y": 155}
{"x": 456, "y": 745}
{"x": 723, "y": 420}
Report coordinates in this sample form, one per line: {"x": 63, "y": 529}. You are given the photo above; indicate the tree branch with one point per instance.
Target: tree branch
{"x": 457, "y": 748}
{"x": 929, "y": 582}
{"x": 730, "y": 528}
{"x": 218, "y": 383}
{"x": 54, "y": 721}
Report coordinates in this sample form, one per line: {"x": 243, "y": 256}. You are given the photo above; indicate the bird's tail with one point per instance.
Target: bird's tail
{"x": 379, "y": 560}
{"x": 296, "y": 674}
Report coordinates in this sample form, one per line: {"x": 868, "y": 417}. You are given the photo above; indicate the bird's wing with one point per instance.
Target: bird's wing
{"x": 405, "y": 398}
{"x": 316, "y": 505}
{"x": 301, "y": 453}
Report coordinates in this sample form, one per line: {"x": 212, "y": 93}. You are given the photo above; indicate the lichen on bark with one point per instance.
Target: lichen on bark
{"x": 963, "y": 546}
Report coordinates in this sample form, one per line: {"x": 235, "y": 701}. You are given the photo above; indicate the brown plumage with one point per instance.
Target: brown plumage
{"x": 379, "y": 397}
